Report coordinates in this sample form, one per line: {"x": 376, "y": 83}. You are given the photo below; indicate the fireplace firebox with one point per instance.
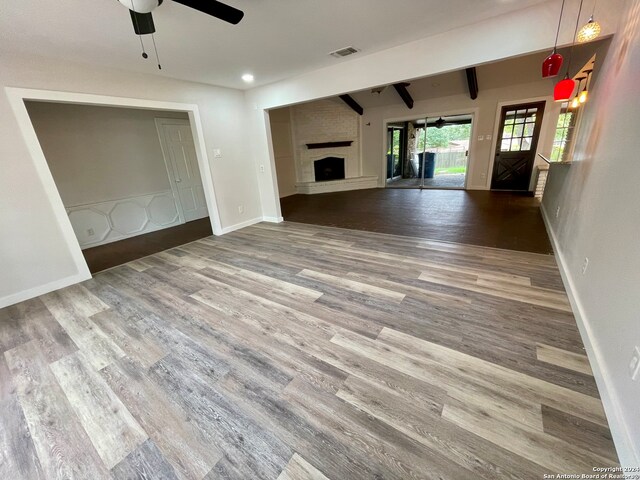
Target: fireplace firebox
{"x": 329, "y": 168}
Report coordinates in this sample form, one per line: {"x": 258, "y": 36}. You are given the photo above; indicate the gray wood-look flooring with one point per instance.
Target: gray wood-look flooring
{"x": 295, "y": 351}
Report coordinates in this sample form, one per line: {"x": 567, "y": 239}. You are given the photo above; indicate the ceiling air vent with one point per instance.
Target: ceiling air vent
{"x": 344, "y": 52}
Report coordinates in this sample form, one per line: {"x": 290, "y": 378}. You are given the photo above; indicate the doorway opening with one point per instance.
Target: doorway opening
{"x": 128, "y": 178}
{"x": 430, "y": 152}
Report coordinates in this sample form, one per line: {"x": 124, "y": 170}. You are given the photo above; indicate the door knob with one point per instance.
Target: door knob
{"x": 178, "y": 180}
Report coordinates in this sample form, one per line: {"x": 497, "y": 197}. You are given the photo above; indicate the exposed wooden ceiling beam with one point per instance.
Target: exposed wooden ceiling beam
{"x": 472, "y": 80}
{"x": 348, "y": 99}
{"x": 401, "y": 88}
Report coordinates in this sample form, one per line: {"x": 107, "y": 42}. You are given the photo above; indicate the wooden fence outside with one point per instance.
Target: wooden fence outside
{"x": 448, "y": 159}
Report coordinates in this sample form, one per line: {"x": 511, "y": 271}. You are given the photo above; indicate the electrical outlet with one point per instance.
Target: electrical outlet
{"x": 634, "y": 365}
{"x": 262, "y": 168}
{"x": 217, "y": 153}
{"x": 585, "y": 265}
{"x": 558, "y": 211}
{"x": 241, "y": 208}
{"x": 90, "y": 232}
{"x": 488, "y": 137}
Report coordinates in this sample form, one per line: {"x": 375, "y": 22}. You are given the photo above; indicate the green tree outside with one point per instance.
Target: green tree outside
{"x": 441, "y": 137}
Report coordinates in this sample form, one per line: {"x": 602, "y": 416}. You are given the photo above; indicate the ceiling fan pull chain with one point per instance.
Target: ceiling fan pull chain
{"x": 135, "y": 18}
{"x": 144, "y": 54}
{"x": 153, "y": 39}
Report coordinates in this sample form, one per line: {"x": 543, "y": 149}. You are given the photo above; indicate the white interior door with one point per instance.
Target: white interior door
{"x": 182, "y": 164}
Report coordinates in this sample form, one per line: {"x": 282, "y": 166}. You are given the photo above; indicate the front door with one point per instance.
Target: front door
{"x": 182, "y": 162}
{"x": 516, "y": 147}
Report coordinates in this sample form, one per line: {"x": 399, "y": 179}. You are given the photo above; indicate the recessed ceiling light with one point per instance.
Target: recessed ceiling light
{"x": 247, "y": 77}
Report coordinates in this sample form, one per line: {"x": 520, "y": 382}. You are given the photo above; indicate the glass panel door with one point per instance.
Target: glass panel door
{"x": 445, "y": 155}
{"x": 516, "y": 146}
{"x": 428, "y": 152}
{"x": 395, "y": 152}
{"x": 399, "y": 168}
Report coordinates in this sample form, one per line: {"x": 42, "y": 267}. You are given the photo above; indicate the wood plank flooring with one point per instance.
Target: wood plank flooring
{"x": 116, "y": 253}
{"x": 298, "y": 352}
{"x": 492, "y": 219}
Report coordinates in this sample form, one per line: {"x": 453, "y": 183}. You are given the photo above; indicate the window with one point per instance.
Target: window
{"x": 564, "y": 134}
{"x": 517, "y": 134}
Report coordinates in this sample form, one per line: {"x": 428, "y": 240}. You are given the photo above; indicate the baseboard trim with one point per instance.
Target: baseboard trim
{"x": 628, "y": 455}
{"x": 273, "y": 219}
{"x": 240, "y": 225}
{"x": 42, "y": 289}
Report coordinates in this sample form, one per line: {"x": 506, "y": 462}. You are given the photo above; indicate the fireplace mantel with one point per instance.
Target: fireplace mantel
{"x": 312, "y": 146}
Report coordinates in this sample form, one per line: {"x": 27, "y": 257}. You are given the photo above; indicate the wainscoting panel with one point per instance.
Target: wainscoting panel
{"x": 106, "y": 222}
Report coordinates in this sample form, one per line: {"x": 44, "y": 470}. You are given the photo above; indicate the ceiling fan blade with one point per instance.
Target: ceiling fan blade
{"x": 215, "y": 9}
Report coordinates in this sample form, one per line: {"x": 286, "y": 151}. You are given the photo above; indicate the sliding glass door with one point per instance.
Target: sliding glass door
{"x": 396, "y": 145}
{"x": 429, "y": 152}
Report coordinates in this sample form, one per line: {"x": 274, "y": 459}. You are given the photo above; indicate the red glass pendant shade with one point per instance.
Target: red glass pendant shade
{"x": 552, "y": 64}
{"x": 564, "y": 89}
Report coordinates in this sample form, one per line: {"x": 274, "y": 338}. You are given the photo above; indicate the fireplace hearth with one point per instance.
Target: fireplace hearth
{"x": 329, "y": 168}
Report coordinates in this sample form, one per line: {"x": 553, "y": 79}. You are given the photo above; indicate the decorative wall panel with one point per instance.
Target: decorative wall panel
{"x": 106, "y": 222}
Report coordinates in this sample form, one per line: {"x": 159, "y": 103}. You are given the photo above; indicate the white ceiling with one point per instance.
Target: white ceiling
{"x": 276, "y": 39}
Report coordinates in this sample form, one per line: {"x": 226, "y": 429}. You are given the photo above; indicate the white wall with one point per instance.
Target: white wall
{"x": 518, "y": 33}
{"x": 280, "y": 122}
{"x": 97, "y": 154}
{"x": 33, "y": 250}
{"x": 599, "y": 204}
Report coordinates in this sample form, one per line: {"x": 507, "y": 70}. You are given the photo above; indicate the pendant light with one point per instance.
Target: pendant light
{"x": 575, "y": 103}
{"x": 552, "y": 64}
{"x": 591, "y": 29}
{"x": 564, "y": 88}
{"x": 584, "y": 95}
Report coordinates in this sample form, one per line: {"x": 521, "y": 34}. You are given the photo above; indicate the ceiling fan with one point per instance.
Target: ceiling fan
{"x": 142, "y": 19}
{"x": 455, "y": 120}
{"x": 441, "y": 122}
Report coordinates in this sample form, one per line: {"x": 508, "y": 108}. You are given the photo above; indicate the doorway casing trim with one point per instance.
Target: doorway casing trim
{"x": 17, "y": 97}
{"x": 475, "y": 111}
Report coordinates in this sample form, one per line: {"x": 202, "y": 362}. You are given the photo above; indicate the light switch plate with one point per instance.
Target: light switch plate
{"x": 634, "y": 365}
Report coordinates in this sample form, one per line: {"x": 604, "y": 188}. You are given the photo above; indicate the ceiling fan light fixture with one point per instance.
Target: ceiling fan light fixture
{"x": 590, "y": 31}
{"x": 141, "y": 6}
